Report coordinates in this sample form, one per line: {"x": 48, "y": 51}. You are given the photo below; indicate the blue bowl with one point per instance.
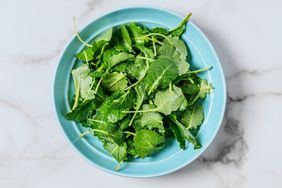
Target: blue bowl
{"x": 171, "y": 158}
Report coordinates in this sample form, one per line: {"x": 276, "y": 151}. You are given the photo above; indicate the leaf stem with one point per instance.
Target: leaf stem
{"x": 199, "y": 70}
{"x": 76, "y": 94}
{"x": 91, "y": 131}
{"x": 182, "y": 22}
{"x": 146, "y": 58}
{"x": 130, "y": 133}
{"x": 140, "y": 111}
{"x": 154, "y": 47}
{"x": 78, "y": 36}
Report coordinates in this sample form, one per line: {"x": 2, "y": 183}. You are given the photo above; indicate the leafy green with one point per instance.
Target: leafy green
{"x": 86, "y": 55}
{"x": 136, "y": 69}
{"x": 193, "y": 117}
{"x": 112, "y": 57}
{"x": 82, "y": 111}
{"x": 117, "y": 151}
{"x": 181, "y": 27}
{"x": 160, "y": 74}
{"x": 135, "y": 88}
{"x": 114, "y": 82}
{"x": 150, "y": 120}
{"x": 146, "y": 142}
{"x": 176, "y": 50}
{"x": 126, "y": 38}
{"x": 182, "y": 133}
{"x": 169, "y": 100}
{"x": 111, "y": 110}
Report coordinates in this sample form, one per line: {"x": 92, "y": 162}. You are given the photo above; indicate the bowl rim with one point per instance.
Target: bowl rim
{"x": 223, "y": 107}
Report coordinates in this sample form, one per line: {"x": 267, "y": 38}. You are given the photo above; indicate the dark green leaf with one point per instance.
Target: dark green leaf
{"x": 82, "y": 111}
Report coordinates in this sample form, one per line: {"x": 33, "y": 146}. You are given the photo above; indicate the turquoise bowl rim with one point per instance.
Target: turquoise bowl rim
{"x": 222, "y": 108}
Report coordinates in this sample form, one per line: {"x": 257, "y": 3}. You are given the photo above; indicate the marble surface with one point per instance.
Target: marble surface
{"x": 246, "y": 151}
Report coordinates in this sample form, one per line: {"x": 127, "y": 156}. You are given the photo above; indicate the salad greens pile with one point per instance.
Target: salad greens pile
{"x": 135, "y": 88}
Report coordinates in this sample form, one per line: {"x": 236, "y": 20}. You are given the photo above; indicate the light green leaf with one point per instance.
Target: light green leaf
{"x": 183, "y": 133}
{"x": 81, "y": 76}
{"x": 169, "y": 100}
{"x": 111, "y": 110}
{"x": 112, "y": 57}
{"x": 117, "y": 151}
{"x": 146, "y": 142}
{"x": 136, "y": 69}
{"x": 176, "y": 50}
{"x": 114, "y": 82}
{"x": 105, "y": 36}
{"x": 151, "y": 120}
{"x": 86, "y": 54}
{"x": 126, "y": 38}
{"x": 192, "y": 118}
{"x": 160, "y": 74}
{"x": 205, "y": 88}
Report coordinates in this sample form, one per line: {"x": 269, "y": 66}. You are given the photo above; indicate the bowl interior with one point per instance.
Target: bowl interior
{"x": 171, "y": 157}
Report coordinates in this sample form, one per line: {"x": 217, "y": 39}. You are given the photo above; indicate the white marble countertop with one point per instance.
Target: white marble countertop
{"x": 246, "y": 152}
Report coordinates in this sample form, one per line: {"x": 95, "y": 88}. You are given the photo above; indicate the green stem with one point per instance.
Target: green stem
{"x": 76, "y": 94}
{"x": 96, "y": 121}
{"x": 78, "y": 36}
{"x": 199, "y": 70}
{"x": 145, "y": 58}
{"x": 154, "y": 47}
{"x": 91, "y": 131}
{"x": 130, "y": 133}
{"x": 182, "y": 22}
{"x": 135, "y": 113}
{"x": 140, "y": 111}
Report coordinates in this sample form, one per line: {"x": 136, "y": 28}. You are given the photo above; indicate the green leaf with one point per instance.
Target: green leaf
{"x": 176, "y": 50}
{"x": 86, "y": 54}
{"x": 177, "y": 31}
{"x": 192, "y": 118}
{"x": 117, "y": 151}
{"x": 126, "y": 38}
{"x": 81, "y": 76}
{"x": 105, "y": 36}
{"x": 112, "y": 57}
{"x": 82, "y": 111}
{"x": 184, "y": 133}
{"x": 136, "y": 69}
{"x": 136, "y": 32}
{"x": 160, "y": 74}
{"x": 178, "y": 135}
{"x": 114, "y": 82}
{"x": 148, "y": 52}
{"x": 205, "y": 88}
{"x": 111, "y": 110}
{"x": 169, "y": 100}
{"x": 151, "y": 120}
{"x": 146, "y": 142}
{"x": 160, "y": 30}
